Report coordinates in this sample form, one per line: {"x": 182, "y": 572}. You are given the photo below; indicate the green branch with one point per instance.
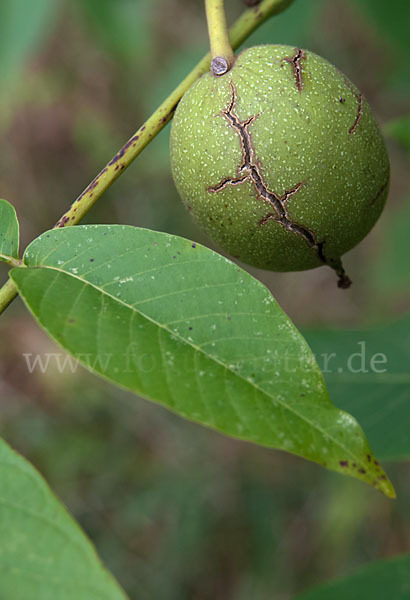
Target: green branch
{"x": 7, "y": 294}
{"x": 250, "y": 20}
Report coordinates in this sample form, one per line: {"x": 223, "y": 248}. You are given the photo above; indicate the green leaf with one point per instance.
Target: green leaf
{"x": 389, "y": 273}
{"x": 23, "y": 26}
{"x": 44, "y": 554}
{"x": 181, "y": 325}
{"x": 399, "y": 129}
{"x": 296, "y": 25}
{"x": 378, "y": 581}
{"x": 367, "y": 374}
{"x": 9, "y": 231}
{"x": 123, "y": 26}
{"x": 389, "y": 22}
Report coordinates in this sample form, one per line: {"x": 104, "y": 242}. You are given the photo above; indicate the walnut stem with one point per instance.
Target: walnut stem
{"x": 221, "y": 50}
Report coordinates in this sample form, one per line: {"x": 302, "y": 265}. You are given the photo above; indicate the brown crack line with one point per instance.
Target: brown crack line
{"x": 359, "y": 98}
{"x": 250, "y": 170}
{"x": 294, "y": 61}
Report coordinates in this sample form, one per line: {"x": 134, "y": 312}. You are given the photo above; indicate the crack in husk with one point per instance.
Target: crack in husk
{"x": 250, "y": 171}
{"x": 294, "y": 61}
{"x": 359, "y": 98}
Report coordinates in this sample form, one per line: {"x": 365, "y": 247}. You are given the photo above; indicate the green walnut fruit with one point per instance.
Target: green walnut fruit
{"x": 280, "y": 160}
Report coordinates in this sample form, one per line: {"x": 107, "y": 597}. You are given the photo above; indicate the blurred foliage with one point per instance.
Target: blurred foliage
{"x": 364, "y": 367}
{"x": 120, "y": 28}
{"x": 390, "y": 274}
{"x": 377, "y": 581}
{"x": 399, "y": 129}
{"x": 175, "y": 510}
{"x": 23, "y": 27}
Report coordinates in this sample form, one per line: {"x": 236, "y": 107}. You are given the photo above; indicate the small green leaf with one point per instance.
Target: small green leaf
{"x": 9, "y": 231}
{"x": 367, "y": 374}
{"x": 399, "y": 129}
{"x": 43, "y": 552}
{"x": 378, "y": 581}
{"x": 183, "y": 326}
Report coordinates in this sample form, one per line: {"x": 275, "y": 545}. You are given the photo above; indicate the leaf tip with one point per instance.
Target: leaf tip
{"x": 386, "y": 487}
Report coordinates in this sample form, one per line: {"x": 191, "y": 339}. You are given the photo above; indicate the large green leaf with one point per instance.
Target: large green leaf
{"x": 367, "y": 373}
{"x": 181, "y": 325}
{"x": 43, "y": 552}
{"x": 378, "y": 581}
{"x": 9, "y": 231}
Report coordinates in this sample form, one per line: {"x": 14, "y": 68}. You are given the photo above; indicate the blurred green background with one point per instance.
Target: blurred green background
{"x": 176, "y": 511}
